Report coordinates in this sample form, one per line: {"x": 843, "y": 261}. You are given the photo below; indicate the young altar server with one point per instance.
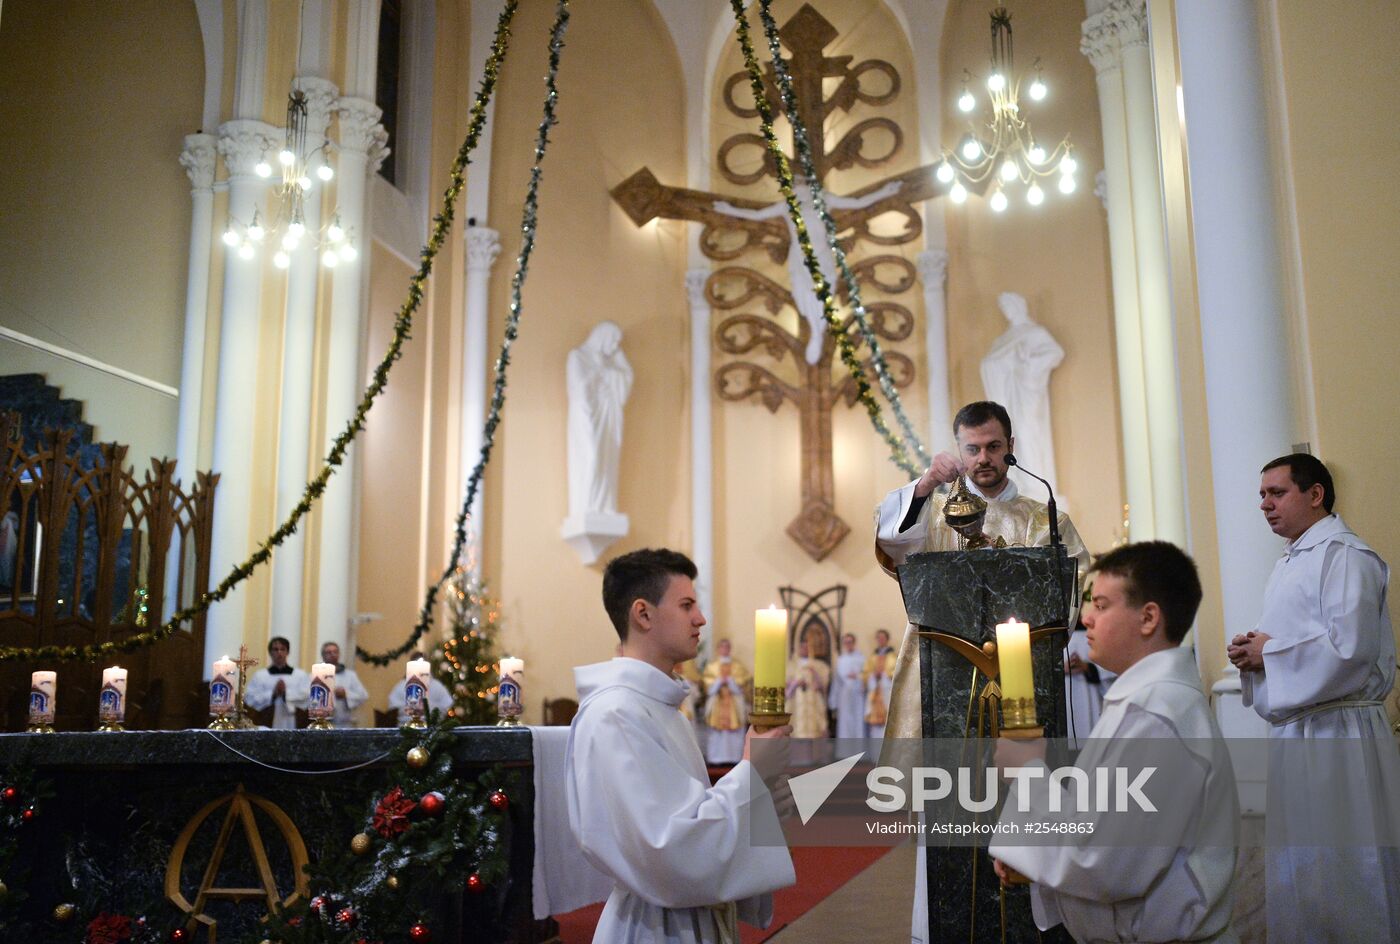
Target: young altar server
{"x": 1176, "y": 884}
{"x": 680, "y": 851}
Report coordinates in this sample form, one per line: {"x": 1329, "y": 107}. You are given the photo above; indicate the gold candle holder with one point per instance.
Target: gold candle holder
{"x": 769, "y": 708}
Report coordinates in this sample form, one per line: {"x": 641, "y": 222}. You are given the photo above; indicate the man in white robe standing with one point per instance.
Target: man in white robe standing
{"x": 847, "y": 691}
{"x": 280, "y": 685}
{"x": 350, "y": 692}
{"x": 1319, "y": 666}
{"x": 681, "y": 852}
{"x": 1175, "y": 885}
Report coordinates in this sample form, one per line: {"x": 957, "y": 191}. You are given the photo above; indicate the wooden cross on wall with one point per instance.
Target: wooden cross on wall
{"x": 735, "y": 226}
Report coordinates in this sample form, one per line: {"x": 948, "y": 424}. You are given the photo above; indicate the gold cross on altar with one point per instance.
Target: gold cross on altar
{"x": 767, "y": 226}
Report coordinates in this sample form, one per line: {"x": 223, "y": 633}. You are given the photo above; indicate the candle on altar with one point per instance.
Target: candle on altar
{"x": 770, "y": 648}
{"x": 111, "y": 702}
{"x": 508, "y": 702}
{"x": 43, "y": 698}
{"x": 321, "y": 704}
{"x": 1014, "y": 667}
{"x": 415, "y": 684}
{"x": 223, "y": 686}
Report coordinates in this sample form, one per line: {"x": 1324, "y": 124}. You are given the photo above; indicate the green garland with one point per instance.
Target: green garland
{"x": 442, "y": 225}
{"x": 899, "y": 450}
{"x": 809, "y": 170}
{"x": 498, "y": 395}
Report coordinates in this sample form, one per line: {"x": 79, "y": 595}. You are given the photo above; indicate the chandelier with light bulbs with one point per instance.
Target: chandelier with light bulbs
{"x": 287, "y": 227}
{"x": 1004, "y": 150}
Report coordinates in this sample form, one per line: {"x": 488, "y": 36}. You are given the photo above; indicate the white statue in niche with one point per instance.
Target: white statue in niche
{"x": 804, "y": 292}
{"x": 1016, "y": 374}
{"x": 599, "y": 380}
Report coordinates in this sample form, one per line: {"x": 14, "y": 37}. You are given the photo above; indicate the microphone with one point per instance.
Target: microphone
{"x": 1054, "y": 515}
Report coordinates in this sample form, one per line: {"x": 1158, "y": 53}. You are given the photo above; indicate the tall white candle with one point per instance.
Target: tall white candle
{"x": 43, "y": 697}
{"x": 111, "y": 703}
{"x": 321, "y": 704}
{"x": 415, "y": 685}
{"x": 508, "y": 703}
{"x": 223, "y": 686}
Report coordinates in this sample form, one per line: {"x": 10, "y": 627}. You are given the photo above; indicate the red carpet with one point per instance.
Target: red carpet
{"x": 821, "y": 870}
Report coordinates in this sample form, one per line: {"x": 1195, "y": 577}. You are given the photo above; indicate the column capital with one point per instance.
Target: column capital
{"x": 933, "y": 267}
{"x": 1121, "y": 23}
{"x": 695, "y": 280}
{"x": 321, "y": 98}
{"x": 483, "y": 246}
{"x": 243, "y": 142}
{"x": 197, "y": 157}
{"x": 360, "y": 129}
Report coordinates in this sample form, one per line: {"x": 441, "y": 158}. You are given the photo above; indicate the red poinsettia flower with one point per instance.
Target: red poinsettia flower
{"x": 108, "y": 929}
{"x": 391, "y": 813}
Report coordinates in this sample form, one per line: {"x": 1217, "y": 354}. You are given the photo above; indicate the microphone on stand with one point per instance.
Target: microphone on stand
{"x": 1054, "y": 515}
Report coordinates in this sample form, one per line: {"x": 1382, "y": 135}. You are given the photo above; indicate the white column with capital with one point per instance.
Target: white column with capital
{"x": 361, "y": 148}
{"x": 933, "y": 272}
{"x": 1159, "y": 366}
{"x": 1102, "y": 45}
{"x": 197, "y": 158}
{"x": 242, "y": 143}
{"x": 1244, "y": 330}
{"x": 483, "y": 245}
{"x": 702, "y": 511}
{"x": 298, "y": 352}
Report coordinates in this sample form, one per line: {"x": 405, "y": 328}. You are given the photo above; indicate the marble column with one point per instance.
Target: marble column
{"x": 482, "y": 246}
{"x": 1116, "y": 41}
{"x": 1101, "y": 45}
{"x": 702, "y": 517}
{"x": 1245, "y": 331}
{"x": 933, "y": 272}
{"x": 242, "y": 143}
{"x": 298, "y": 352}
{"x": 197, "y": 158}
{"x": 361, "y": 148}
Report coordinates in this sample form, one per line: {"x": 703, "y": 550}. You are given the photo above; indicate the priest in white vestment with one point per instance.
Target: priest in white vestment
{"x": 910, "y": 519}
{"x": 847, "y": 697}
{"x": 280, "y": 685}
{"x": 878, "y": 674}
{"x": 1168, "y": 888}
{"x": 350, "y": 692}
{"x": 682, "y": 853}
{"x": 726, "y": 683}
{"x": 808, "y": 681}
{"x": 1318, "y": 667}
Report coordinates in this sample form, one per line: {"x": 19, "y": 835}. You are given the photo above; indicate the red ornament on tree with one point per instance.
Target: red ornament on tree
{"x": 317, "y": 904}
{"x": 499, "y": 801}
{"x": 10, "y": 795}
{"x": 420, "y": 933}
{"x": 27, "y": 815}
{"x": 433, "y": 803}
{"x": 179, "y": 936}
{"x": 475, "y": 885}
{"x": 345, "y": 917}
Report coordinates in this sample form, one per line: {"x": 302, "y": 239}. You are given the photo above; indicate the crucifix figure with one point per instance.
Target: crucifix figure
{"x": 735, "y": 226}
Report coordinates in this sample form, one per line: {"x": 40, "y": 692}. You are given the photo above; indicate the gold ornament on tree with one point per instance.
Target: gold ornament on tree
{"x": 418, "y": 757}
{"x": 360, "y": 843}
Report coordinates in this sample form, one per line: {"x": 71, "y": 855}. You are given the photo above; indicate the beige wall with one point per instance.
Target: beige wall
{"x": 757, "y": 453}
{"x": 94, "y": 206}
{"x": 1056, "y": 255}
{"x": 590, "y": 264}
{"x": 1341, "y": 96}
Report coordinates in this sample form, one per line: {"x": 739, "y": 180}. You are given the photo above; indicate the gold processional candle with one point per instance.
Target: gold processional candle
{"x": 769, "y": 656}
{"x": 1017, "y": 685}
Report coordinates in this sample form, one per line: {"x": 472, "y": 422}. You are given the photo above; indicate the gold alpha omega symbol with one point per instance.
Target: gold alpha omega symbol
{"x": 240, "y": 812}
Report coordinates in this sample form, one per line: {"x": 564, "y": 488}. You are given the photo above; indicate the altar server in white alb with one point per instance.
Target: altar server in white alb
{"x": 283, "y": 686}
{"x": 680, "y": 851}
{"x": 847, "y": 697}
{"x": 1318, "y": 668}
{"x": 1157, "y": 876}
{"x": 350, "y": 692}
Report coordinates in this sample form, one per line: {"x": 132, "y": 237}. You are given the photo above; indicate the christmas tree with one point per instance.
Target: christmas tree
{"x": 466, "y": 661}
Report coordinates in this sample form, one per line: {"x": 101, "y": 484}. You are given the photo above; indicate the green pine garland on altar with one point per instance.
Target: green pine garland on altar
{"x": 466, "y": 661}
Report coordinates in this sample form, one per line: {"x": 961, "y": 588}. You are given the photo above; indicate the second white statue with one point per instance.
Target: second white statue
{"x": 599, "y": 380}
